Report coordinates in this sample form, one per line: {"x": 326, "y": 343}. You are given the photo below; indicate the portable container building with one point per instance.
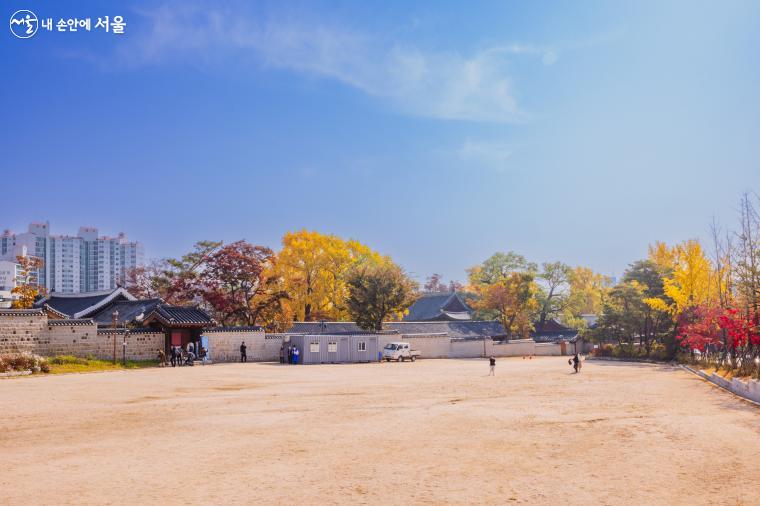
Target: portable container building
{"x": 335, "y": 349}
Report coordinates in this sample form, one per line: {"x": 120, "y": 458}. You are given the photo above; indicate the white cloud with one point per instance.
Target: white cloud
{"x": 492, "y": 155}
{"x": 443, "y": 85}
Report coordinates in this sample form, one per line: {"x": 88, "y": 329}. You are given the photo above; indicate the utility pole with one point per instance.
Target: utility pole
{"x": 114, "y": 321}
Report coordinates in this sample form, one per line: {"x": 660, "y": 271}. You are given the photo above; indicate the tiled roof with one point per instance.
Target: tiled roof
{"x": 67, "y": 322}
{"x": 79, "y": 305}
{"x": 552, "y": 331}
{"x": 552, "y": 325}
{"x": 121, "y": 330}
{"x": 323, "y": 328}
{"x": 456, "y": 330}
{"x": 179, "y": 315}
{"x": 469, "y": 329}
{"x": 255, "y": 328}
{"x": 438, "y": 306}
{"x": 128, "y": 310}
{"x": 51, "y": 311}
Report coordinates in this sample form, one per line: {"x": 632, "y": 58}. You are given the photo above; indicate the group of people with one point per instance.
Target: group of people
{"x": 290, "y": 353}
{"x": 179, "y": 356}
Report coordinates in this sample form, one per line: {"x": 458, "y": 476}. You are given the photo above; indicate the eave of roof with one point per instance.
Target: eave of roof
{"x": 106, "y": 300}
{"x": 70, "y": 322}
{"x": 22, "y": 312}
{"x": 50, "y": 309}
{"x": 178, "y": 316}
{"x": 255, "y": 328}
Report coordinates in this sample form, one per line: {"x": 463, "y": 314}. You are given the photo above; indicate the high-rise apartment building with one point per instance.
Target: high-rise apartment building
{"x": 81, "y": 263}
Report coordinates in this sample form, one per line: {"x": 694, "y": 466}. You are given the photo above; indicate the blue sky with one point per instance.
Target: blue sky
{"x": 435, "y": 132}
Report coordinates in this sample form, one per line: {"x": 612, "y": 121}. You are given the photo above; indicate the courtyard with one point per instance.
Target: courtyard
{"x": 433, "y": 431}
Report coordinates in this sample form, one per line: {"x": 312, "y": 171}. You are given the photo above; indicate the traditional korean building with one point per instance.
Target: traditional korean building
{"x": 553, "y": 331}
{"x": 439, "y": 307}
{"x": 180, "y": 324}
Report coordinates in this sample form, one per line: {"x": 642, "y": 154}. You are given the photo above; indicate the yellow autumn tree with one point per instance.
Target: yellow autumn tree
{"x": 313, "y": 268}
{"x": 510, "y": 297}
{"x": 687, "y": 276}
{"x": 587, "y": 293}
{"x": 27, "y": 290}
{"x": 662, "y": 256}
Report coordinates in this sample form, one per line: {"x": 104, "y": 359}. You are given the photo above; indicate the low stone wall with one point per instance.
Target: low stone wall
{"x": 551, "y": 349}
{"x": 20, "y": 330}
{"x": 516, "y": 348}
{"x": 32, "y": 332}
{"x": 224, "y": 346}
{"x": 444, "y": 347}
{"x": 81, "y": 338}
{"x": 748, "y": 389}
{"x": 471, "y": 348}
{"x": 140, "y": 345}
{"x": 429, "y": 347}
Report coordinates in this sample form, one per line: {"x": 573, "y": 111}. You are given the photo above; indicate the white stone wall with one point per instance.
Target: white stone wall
{"x": 225, "y": 346}
{"x": 471, "y": 348}
{"x": 551, "y": 349}
{"x": 431, "y": 347}
{"x": 521, "y": 348}
{"x": 35, "y": 334}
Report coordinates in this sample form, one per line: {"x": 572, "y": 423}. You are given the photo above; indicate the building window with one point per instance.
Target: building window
{"x": 332, "y": 347}
{"x": 361, "y": 346}
{"x": 314, "y": 347}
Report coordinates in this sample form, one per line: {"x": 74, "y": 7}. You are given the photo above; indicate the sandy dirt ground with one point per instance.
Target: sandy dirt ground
{"x": 435, "y": 431}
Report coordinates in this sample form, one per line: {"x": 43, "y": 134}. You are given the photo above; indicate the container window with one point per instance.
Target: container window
{"x": 361, "y": 346}
{"x": 314, "y": 347}
{"x": 332, "y": 347}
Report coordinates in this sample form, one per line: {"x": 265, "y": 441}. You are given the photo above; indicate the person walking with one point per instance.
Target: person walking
{"x": 243, "y": 352}
{"x": 577, "y": 363}
{"x": 492, "y": 362}
{"x": 296, "y": 353}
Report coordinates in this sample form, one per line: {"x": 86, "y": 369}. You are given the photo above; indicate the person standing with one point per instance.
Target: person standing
{"x": 161, "y": 357}
{"x": 296, "y": 353}
{"x": 577, "y": 363}
{"x": 282, "y": 354}
{"x": 202, "y": 353}
{"x": 243, "y": 352}
{"x": 492, "y": 362}
{"x": 290, "y": 355}
{"x": 174, "y": 356}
